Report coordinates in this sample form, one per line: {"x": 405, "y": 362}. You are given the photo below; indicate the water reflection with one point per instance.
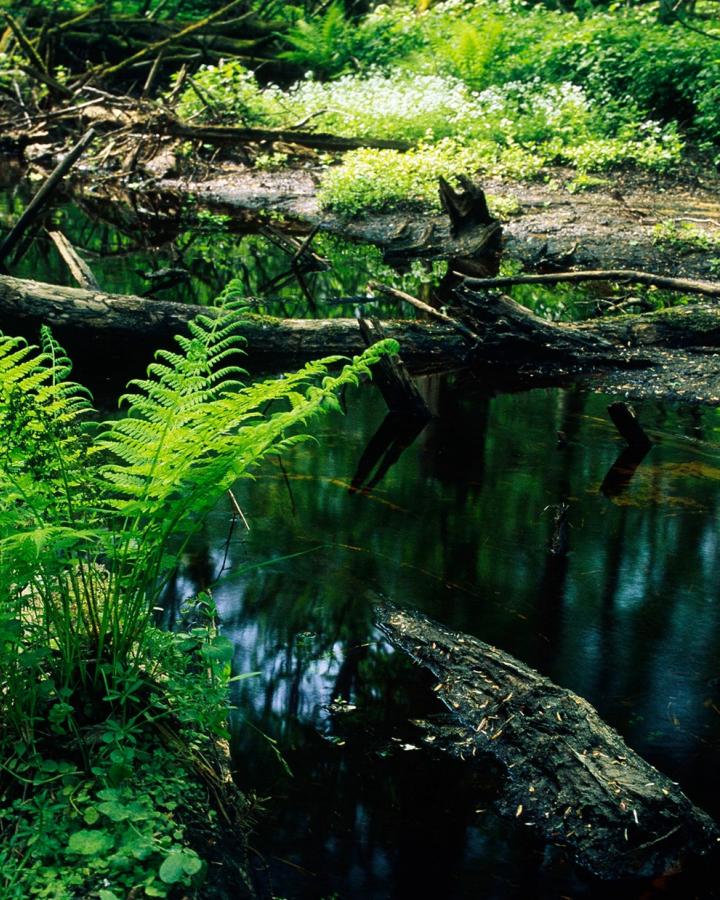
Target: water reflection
{"x": 168, "y": 248}
{"x": 462, "y": 525}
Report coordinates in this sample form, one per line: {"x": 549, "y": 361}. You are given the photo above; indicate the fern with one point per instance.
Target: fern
{"x": 466, "y": 50}
{"x": 326, "y": 43}
{"x": 94, "y": 520}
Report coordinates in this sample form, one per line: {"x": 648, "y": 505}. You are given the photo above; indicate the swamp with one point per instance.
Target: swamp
{"x": 359, "y": 449}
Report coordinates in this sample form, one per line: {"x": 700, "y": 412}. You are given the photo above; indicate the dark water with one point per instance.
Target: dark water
{"x": 454, "y": 521}
{"x": 459, "y": 528}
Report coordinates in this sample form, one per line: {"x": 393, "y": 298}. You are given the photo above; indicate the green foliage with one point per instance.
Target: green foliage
{"x": 331, "y": 43}
{"x": 80, "y": 833}
{"x": 464, "y": 50}
{"x": 383, "y": 179}
{"x": 685, "y": 237}
{"x": 513, "y": 131}
{"x": 93, "y": 522}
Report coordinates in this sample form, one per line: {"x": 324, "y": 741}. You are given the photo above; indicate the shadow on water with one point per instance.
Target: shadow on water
{"x": 491, "y": 523}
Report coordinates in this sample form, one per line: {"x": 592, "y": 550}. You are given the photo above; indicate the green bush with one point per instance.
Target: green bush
{"x": 94, "y": 520}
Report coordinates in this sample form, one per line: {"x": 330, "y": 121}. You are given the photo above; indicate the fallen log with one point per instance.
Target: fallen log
{"x": 133, "y": 320}
{"x": 570, "y": 777}
{"x": 230, "y": 134}
{"x": 637, "y": 355}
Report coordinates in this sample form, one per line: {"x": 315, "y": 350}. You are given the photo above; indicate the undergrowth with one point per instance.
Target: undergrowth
{"x": 94, "y": 520}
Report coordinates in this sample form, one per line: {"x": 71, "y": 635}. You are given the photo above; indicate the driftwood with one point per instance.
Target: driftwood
{"x": 570, "y": 777}
{"x": 626, "y": 276}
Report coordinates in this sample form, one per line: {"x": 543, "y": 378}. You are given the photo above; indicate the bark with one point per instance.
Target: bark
{"x": 136, "y": 320}
{"x": 570, "y": 777}
{"x": 672, "y": 353}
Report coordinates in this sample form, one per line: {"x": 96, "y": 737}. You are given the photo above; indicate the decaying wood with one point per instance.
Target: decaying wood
{"x": 423, "y": 307}
{"x": 233, "y": 135}
{"x": 392, "y": 378}
{"x": 40, "y": 199}
{"x": 670, "y": 353}
{"x": 570, "y": 777}
{"x": 79, "y": 269}
{"x": 625, "y": 419}
{"x": 626, "y": 276}
{"x": 467, "y": 209}
{"x": 138, "y": 320}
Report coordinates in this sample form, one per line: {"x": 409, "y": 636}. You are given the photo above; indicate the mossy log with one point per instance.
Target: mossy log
{"x": 670, "y": 353}
{"x": 129, "y": 321}
{"x": 570, "y": 777}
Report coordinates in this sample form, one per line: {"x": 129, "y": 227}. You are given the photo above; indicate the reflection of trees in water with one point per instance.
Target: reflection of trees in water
{"x": 456, "y": 527}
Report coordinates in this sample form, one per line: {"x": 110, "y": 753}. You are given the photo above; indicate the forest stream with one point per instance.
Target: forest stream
{"x": 454, "y": 519}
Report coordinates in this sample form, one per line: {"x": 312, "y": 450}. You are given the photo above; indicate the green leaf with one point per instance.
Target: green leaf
{"x": 221, "y": 649}
{"x": 173, "y": 868}
{"x": 179, "y": 864}
{"x": 91, "y": 815}
{"x": 90, "y": 843}
{"x": 118, "y": 812}
{"x": 192, "y": 864}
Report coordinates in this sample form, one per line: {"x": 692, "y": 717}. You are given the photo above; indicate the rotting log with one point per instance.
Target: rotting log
{"x": 392, "y": 378}
{"x": 570, "y": 777}
{"x": 625, "y": 419}
{"x": 132, "y": 319}
{"x": 229, "y": 134}
{"x": 672, "y": 353}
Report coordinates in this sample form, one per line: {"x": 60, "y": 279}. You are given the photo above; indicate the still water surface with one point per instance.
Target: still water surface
{"x": 459, "y": 527}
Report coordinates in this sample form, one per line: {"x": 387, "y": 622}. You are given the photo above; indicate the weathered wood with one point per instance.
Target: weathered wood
{"x": 430, "y": 311}
{"x": 138, "y": 320}
{"x": 79, "y": 269}
{"x": 467, "y": 208}
{"x": 570, "y": 777}
{"x": 229, "y": 134}
{"x": 37, "y": 203}
{"x": 669, "y": 353}
{"x": 626, "y": 276}
{"x": 392, "y": 378}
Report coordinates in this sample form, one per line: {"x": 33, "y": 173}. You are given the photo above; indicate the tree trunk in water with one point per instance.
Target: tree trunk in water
{"x": 570, "y": 777}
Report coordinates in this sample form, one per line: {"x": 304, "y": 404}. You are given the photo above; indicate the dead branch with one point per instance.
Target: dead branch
{"x": 689, "y": 286}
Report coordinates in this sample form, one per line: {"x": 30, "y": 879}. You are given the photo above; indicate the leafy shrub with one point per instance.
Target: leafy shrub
{"x": 383, "y": 179}
{"x": 465, "y": 50}
{"x": 93, "y": 522}
{"x": 228, "y": 92}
